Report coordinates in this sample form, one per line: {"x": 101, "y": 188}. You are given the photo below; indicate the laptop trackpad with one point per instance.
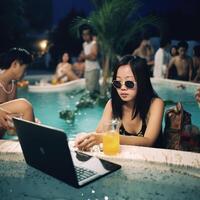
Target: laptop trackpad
{"x": 89, "y": 162}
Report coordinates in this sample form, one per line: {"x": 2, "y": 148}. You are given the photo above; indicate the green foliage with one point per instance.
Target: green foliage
{"x": 86, "y": 101}
{"x": 116, "y": 23}
{"x": 68, "y": 115}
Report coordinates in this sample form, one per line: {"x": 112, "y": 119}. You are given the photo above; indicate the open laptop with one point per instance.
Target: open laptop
{"x": 46, "y": 149}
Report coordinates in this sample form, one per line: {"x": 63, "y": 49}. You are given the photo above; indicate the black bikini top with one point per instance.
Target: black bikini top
{"x": 122, "y": 131}
{"x": 158, "y": 143}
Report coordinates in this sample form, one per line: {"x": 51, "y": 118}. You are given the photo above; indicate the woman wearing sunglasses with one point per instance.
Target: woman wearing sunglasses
{"x": 135, "y": 103}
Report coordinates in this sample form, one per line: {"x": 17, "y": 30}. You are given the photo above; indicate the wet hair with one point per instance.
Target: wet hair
{"x": 164, "y": 42}
{"x": 21, "y": 55}
{"x": 84, "y": 27}
{"x": 183, "y": 44}
{"x": 145, "y": 92}
{"x": 197, "y": 51}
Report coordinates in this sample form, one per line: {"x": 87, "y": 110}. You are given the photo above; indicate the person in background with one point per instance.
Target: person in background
{"x": 182, "y": 62}
{"x": 197, "y": 95}
{"x": 172, "y": 74}
{"x": 133, "y": 102}
{"x": 14, "y": 67}
{"x": 90, "y": 55}
{"x": 79, "y": 67}
{"x": 196, "y": 63}
{"x": 146, "y": 51}
{"x": 174, "y": 51}
{"x": 15, "y": 108}
{"x": 162, "y": 58}
{"x": 64, "y": 71}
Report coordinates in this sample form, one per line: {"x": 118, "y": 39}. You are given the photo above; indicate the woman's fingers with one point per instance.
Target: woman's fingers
{"x": 87, "y": 142}
{"x": 90, "y": 145}
{"x": 80, "y": 138}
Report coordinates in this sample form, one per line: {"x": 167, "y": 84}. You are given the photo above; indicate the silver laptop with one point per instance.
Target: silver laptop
{"x": 46, "y": 149}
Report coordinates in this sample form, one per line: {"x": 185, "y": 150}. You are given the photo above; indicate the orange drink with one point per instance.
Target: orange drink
{"x": 111, "y": 142}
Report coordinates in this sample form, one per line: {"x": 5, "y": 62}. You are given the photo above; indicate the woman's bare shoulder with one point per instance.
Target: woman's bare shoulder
{"x": 157, "y": 102}
{"x": 108, "y": 104}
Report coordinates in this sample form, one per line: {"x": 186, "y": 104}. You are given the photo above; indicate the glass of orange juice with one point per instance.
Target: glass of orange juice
{"x": 111, "y": 144}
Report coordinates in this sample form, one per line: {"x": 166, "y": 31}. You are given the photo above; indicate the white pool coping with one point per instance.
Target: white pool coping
{"x": 175, "y": 82}
{"x": 127, "y": 153}
{"x": 153, "y": 80}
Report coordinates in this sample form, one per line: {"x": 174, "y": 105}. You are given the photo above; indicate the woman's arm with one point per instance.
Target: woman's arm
{"x": 91, "y": 139}
{"x": 106, "y": 117}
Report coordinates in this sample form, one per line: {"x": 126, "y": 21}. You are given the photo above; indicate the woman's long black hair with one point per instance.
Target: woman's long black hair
{"x": 145, "y": 91}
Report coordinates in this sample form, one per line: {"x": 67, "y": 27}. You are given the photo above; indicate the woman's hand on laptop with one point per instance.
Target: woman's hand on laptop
{"x": 85, "y": 142}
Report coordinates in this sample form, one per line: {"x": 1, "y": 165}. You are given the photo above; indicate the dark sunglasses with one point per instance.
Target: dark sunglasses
{"x": 128, "y": 84}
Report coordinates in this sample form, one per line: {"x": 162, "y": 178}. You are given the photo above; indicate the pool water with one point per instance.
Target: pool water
{"x": 48, "y": 105}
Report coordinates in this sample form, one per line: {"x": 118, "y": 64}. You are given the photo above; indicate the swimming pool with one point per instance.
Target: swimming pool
{"x": 48, "y": 105}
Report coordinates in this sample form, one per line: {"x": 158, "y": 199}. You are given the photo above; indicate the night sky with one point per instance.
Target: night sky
{"x": 180, "y": 15}
{"x": 62, "y": 7}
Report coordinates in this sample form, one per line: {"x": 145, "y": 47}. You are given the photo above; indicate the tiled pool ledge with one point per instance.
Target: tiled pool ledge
{"x": 127, "y": 153}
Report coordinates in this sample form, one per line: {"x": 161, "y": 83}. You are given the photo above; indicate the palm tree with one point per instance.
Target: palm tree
{"x": 116, "y": 23}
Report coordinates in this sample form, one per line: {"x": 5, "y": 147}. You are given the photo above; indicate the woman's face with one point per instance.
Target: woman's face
{"x": 65, "y": 57}
{"x": 124, "y": 74}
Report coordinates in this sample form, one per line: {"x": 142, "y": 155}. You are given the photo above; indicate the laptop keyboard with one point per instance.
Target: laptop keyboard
{"x": 83, "y": 173}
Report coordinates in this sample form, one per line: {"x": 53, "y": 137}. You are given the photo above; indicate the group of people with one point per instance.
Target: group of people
{"x": 176, "y": 64}
{"x": 133, "y": 100}
{"x": 170, "y": 61}
{"x": 87, "y": 64}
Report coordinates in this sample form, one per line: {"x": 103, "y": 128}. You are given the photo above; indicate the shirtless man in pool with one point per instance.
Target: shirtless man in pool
{"x": 182, "y": 62}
